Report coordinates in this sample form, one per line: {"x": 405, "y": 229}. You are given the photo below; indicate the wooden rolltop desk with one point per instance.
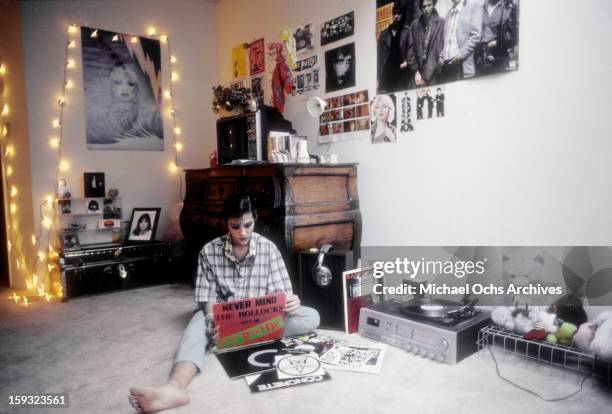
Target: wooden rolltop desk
{"x": 299, "y": 206}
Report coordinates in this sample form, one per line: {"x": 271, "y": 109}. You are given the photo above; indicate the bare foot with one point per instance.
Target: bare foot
{"x": 161, "y": 397}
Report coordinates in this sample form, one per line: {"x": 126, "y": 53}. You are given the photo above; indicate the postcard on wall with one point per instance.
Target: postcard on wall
{"x": 257, "y": 59}
{"x": 383, "y": 117}
{"x": 123, "y": 91}
{"x": 239, "y": 62}
{"x": 257, "y": 89}
{"x": 430, "y": 102}
{"x": 305, "y": 75}
{"x": 338, "y": 28}
{"x": 405, "y": 111}
{"x": 249, "y": 321}
{"x": 304, "y": 37}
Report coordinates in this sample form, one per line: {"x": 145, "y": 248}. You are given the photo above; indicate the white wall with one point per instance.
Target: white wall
{"x": 142, "y": 177}
{"x": 520, "y": 159}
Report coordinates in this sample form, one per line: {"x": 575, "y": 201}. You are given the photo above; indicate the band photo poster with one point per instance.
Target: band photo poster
{"x": 430, "y": 102}
{"x": 122, "y": 79}
{"x": 468, "y": 38}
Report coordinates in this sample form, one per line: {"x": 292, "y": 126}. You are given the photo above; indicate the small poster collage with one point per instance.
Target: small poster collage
{"x": 254, "y": 63}
{"x": 394, "y": 113}
{"x": 305, "y": 75}
{"x": 345, "y": 113}
{"x": 349, "y": 116}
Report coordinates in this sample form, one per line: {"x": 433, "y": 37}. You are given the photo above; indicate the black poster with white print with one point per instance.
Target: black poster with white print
{"x": 338, "y": 28}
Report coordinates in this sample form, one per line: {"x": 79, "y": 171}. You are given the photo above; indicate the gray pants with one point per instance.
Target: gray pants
{"x": 194, "y": 339}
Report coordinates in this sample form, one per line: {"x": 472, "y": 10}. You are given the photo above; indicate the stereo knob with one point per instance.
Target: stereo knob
{"x": 443, "y": 344}
{"x": 441, "y": 358}
{"x": 423, "y": 353}
{"x": 431, "y": 355}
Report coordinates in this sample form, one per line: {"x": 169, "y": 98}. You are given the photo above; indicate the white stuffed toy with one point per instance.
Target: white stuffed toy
{"x": 596, "y": 336}
{"x": 523, "y": 320}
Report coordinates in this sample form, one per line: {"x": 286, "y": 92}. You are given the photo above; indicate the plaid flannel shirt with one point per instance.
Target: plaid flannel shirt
{"x": 221, "y": 277}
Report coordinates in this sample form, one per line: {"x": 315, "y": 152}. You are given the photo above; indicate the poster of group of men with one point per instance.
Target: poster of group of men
{"x": 423, "y": 43}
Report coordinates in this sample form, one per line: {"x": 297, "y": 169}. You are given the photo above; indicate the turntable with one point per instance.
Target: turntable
{"x": 440, "y": 311}
{"x": 442, "y": 330}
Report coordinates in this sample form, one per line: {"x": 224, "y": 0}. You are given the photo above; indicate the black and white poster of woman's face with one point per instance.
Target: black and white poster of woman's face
{"x": 123, "y": 95}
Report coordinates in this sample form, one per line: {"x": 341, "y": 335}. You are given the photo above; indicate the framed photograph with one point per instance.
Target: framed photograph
{"x": 93, "y": 184}
{"x": 65, "y": 206}
{"x": 93, "y": 205}
{"x": 143, "y": 224}
{"x": 63, "y": 190}
{"x": 70, "y": 241}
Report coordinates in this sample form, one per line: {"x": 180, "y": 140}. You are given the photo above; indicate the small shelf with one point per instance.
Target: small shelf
{"x": 88, "y": 198}
{"x": 80, "y": 214}
{"x": 90, "y": 230}
{"x": 544, "y": 352}
{"x": 85, "y": 214}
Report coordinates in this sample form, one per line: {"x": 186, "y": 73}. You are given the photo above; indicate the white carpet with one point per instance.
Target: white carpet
{"x": 96, "y": 348}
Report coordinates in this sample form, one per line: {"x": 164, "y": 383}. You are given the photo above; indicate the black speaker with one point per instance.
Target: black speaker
{"x": 326, "y": 299}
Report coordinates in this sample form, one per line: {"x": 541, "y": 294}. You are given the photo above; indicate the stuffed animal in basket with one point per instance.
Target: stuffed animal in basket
{"x": 596, "y": 336}
{"x": 524, "y": 319}
{"x": 535, "y": 323}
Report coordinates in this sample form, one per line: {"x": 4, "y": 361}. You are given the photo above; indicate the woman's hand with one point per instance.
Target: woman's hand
{"x": 212, "y": 330}
{"x": 292, "y": 304}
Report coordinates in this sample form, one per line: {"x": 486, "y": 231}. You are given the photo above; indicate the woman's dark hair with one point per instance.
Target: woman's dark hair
{"x": 142, "y": 218}
{"x": 238, "y": 204}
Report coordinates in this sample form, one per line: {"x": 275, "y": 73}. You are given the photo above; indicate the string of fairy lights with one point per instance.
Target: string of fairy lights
{"x": 43, "y": 274}
{"x": 14, "y": 233}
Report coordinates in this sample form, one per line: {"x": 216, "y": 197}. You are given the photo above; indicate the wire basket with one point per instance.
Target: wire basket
{"x": 552, "y": 354}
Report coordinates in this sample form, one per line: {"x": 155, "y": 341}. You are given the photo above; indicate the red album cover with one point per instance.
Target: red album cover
{"x": 358, "y": 285}
{"x": 250, "y": 321}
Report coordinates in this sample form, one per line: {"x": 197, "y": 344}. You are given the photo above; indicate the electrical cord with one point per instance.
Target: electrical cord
{"x": 530, "y": 391}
